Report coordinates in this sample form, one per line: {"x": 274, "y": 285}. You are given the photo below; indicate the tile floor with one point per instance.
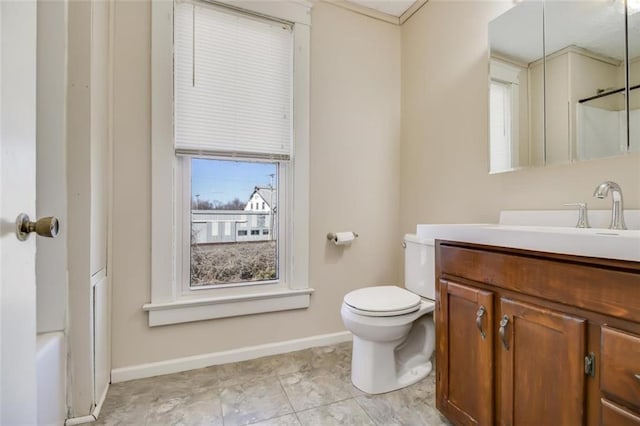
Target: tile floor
{"x": 310, "y": 387}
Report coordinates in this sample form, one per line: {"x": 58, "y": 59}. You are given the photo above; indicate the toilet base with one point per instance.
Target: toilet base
{"x": 414, "y": 375}
{"x": 404, "y": 379}
{"x": 380, "y": 367}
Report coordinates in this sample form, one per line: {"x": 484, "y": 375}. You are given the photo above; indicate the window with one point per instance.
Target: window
{"x": 234, "y": 136}
{"x": 503, "y": 116}
{"x": 223, "y": 114}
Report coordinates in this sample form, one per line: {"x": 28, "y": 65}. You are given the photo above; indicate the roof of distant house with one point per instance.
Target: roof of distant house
{"x": 266, "y": 192}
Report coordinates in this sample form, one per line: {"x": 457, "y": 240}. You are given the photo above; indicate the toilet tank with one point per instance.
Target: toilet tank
{"x": 419, "y": 266}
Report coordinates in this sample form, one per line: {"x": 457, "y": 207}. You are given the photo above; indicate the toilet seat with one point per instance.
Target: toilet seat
{"x": 382, "y": 301}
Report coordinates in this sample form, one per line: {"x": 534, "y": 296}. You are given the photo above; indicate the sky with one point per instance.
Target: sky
{"x": 224, "y": 180}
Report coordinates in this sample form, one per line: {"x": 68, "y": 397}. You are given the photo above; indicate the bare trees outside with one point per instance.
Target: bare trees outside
{"x": 235, "y": 204}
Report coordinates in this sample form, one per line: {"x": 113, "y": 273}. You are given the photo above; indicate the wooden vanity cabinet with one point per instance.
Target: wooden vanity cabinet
{"x": 542, "y": 375}
{"x": 466, "y": 393}
{"x": 530, "y": 338}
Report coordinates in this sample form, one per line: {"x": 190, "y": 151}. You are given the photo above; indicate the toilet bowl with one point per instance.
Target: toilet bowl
{"x": 393, "y": 329}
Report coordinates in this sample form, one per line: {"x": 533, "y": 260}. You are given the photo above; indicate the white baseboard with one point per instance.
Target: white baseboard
{"x": 103, "y": 397}
{"x": 72, "y": 421}
{"x": 177, "y": 365}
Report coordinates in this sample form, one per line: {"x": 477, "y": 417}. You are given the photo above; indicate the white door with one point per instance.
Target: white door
{"x": 17, "y": 194}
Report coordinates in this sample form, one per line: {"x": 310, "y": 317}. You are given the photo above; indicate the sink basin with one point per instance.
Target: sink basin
{"x": 590, "y": 242}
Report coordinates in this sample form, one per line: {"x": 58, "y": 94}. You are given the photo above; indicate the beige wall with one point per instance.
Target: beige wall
{"x": 364, "y": 74}
{"x": 444, "y": 152}
{"x": 355, "y": 163}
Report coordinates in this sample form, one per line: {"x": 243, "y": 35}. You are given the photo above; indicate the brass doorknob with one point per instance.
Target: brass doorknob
{"x": 45, "y": 227}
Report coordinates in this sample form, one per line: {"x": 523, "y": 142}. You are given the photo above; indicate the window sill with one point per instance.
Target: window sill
{"x": 190, "y": 310}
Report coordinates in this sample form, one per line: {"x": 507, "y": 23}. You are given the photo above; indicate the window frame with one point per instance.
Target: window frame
{"x": 168, "y": 304}
{"x": 183, "y": 226}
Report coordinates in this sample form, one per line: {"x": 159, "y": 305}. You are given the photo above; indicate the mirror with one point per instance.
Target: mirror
{"x": 575, "y": 103}
{"x": 585, "y": 108}
{"x": 516, "y": 92}
{"x": 633, "y": 40}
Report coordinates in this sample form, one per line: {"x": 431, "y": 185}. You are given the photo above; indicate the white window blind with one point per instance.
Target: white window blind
{"x": 232, "y": 82}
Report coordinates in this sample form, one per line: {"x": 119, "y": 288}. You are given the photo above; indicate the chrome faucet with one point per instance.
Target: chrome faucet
{"x": 583, "y": 217}
{"x": 617, "y": 214}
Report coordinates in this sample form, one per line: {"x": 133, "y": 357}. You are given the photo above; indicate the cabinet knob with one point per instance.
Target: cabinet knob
{"x": 479, "y": 316}
{"x": 590, "y": 365}
{"x": 502, "y": 332}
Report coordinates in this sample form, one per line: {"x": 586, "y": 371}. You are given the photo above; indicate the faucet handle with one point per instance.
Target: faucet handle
{"x": 583, "y": 219}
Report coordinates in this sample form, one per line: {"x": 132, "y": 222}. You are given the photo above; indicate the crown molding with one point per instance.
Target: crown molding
{"x": 366, "y": 11}
{"x": 413, "y": 9}
{"x": 375, "y": 14}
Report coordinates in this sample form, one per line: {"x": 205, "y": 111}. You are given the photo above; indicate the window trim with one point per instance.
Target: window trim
{"x": 508, "y": 120}
{"x": 167, "y": 306}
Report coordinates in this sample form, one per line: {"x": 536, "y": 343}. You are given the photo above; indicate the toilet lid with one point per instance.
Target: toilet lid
{"x": 383, "y": 299}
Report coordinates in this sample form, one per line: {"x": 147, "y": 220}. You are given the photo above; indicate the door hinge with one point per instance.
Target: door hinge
{"x": 590, "y": 364}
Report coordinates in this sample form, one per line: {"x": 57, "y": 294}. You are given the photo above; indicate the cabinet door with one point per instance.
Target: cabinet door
{"x": 464, "y": 382}
{"x": 620, "y": 367}
{"x": 614, "y": 415}
{"x": 541, "y": 366}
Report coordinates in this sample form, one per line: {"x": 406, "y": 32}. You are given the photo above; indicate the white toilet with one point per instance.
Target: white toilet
{"x": 393, "y": 331}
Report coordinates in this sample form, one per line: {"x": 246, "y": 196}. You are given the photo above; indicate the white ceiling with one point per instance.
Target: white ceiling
{"x": 390, "y": 7}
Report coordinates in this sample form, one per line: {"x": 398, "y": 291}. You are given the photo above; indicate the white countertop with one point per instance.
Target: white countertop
{"x": 592, "y": 242}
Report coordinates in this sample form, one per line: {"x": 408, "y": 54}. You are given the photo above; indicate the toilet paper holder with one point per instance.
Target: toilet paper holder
{"x": 332, "y": 236}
